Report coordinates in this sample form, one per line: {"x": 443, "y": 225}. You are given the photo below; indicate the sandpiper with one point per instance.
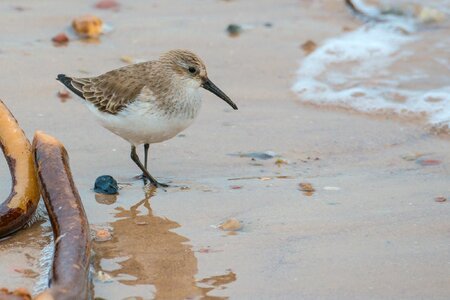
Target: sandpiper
{"x": 148, "y": 102}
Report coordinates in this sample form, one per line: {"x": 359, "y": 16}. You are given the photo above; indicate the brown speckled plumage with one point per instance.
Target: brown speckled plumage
{"x": 113, "y": 91}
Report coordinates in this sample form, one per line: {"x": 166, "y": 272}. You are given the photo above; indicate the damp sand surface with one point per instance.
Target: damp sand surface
{"x": 369, "y": 229}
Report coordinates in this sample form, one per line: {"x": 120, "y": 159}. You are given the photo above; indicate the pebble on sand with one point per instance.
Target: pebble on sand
{"x": 231, "y": 224}
{"x": 308, "y": 46}
{"x": 234, "y": 30}
{"x": 60, "y": 39}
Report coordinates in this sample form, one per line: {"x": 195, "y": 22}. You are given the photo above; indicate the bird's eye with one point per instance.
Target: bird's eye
{"x": 192, "y": 70}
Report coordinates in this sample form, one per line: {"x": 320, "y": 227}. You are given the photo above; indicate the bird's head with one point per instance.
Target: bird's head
{"x": 191, "y": 70}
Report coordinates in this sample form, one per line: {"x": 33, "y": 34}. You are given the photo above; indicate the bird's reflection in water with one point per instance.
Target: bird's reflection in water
{"x": 156, "y": 256}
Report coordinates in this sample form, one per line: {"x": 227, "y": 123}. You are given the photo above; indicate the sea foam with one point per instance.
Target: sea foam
{"x": 382, "y": 67}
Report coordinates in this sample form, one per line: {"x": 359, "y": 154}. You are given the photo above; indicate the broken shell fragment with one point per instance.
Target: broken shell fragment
{"x": 88, "y": 26}
{"x": 102, "y": 235}
{"x": 307, "y": 188}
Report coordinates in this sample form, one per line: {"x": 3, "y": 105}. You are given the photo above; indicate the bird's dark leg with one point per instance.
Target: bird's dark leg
{"x": 146, "y": 146}
{"x": 136, "y": 160}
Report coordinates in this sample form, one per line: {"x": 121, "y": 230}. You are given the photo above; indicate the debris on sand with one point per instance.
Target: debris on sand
{"x": 234, "y": 30}
{"x": 20, "y": 293}
{"x": 280, "y": 161}
{"x": 107, "y": 4}
{"x": 429, "y": 15}
{"x": 263, "y": 178}
{"x": 428, "y": 162}
{"x": 307, "y": 188}
{"x": 308, "y": 46}
{"x": 231, "y": 224}
{"x": 88, "y": 26}
{"x": 208, "y": 250}
{"x": 257, "y": 155}
{"x": 440, "y": 199}
{"x": 61, "y": 39}
{"x": 236, "y": 187}
{"x": 63, "y": 95}
{"x": 102, "y": 234}
{"x": 127, "y": 59}
{"x": 28, "y": 273}
{"x": 103, "y": 277}
{"x": 423, "y": 14}
{"x": 412, "y": 156}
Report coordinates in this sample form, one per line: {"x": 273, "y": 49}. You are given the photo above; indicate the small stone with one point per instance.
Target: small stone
{"x": 309, "y": 46}
{"x": 234, "y": 30}
{"x": 63, "y": 95}
{"x": 60, "y": 39}
{"x": 106, "y": 184}
{"x": 231, "y": 224}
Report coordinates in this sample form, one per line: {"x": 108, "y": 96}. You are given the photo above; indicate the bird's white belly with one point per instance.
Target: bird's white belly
{"x": 141, "y": 124}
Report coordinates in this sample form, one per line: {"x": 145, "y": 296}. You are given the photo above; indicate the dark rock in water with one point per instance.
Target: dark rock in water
{"x": 106, "y": 184}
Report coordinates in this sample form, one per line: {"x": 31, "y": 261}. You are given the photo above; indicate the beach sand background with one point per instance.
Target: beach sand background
{"x": 371, "y": 229}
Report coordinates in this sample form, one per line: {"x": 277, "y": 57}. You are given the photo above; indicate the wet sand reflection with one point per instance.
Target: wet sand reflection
{"x": 155, "y": 256}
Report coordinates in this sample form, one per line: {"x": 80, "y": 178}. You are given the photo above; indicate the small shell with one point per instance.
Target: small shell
{"x": 88, "y": 26}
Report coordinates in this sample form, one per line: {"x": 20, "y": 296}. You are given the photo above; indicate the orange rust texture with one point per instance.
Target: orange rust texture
{"x": 69, "y": 278}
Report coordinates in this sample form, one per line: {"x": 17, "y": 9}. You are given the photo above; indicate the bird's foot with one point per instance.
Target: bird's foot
{"x": 152, "y": 181}
{"x": 161, "y": 185}
{"x": 140, "y": 177}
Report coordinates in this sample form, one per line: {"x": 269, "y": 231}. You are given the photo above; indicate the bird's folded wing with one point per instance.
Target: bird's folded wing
{"x": 112, "y": 91}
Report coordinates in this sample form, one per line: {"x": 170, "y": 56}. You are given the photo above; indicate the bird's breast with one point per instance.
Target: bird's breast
{"x": 148, "y": 122}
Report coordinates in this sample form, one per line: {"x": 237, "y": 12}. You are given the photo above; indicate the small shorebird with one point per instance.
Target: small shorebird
{"x": 148, "y": 102}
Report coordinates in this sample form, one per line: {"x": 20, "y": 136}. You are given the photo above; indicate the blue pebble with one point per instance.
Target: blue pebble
{"x": 106, "y": 184}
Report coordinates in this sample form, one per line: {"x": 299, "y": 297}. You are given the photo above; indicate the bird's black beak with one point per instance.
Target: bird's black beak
{"x": 208, "y": 85}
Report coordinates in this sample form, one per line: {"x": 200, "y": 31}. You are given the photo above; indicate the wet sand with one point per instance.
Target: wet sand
{"x": 371, "y": 229}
